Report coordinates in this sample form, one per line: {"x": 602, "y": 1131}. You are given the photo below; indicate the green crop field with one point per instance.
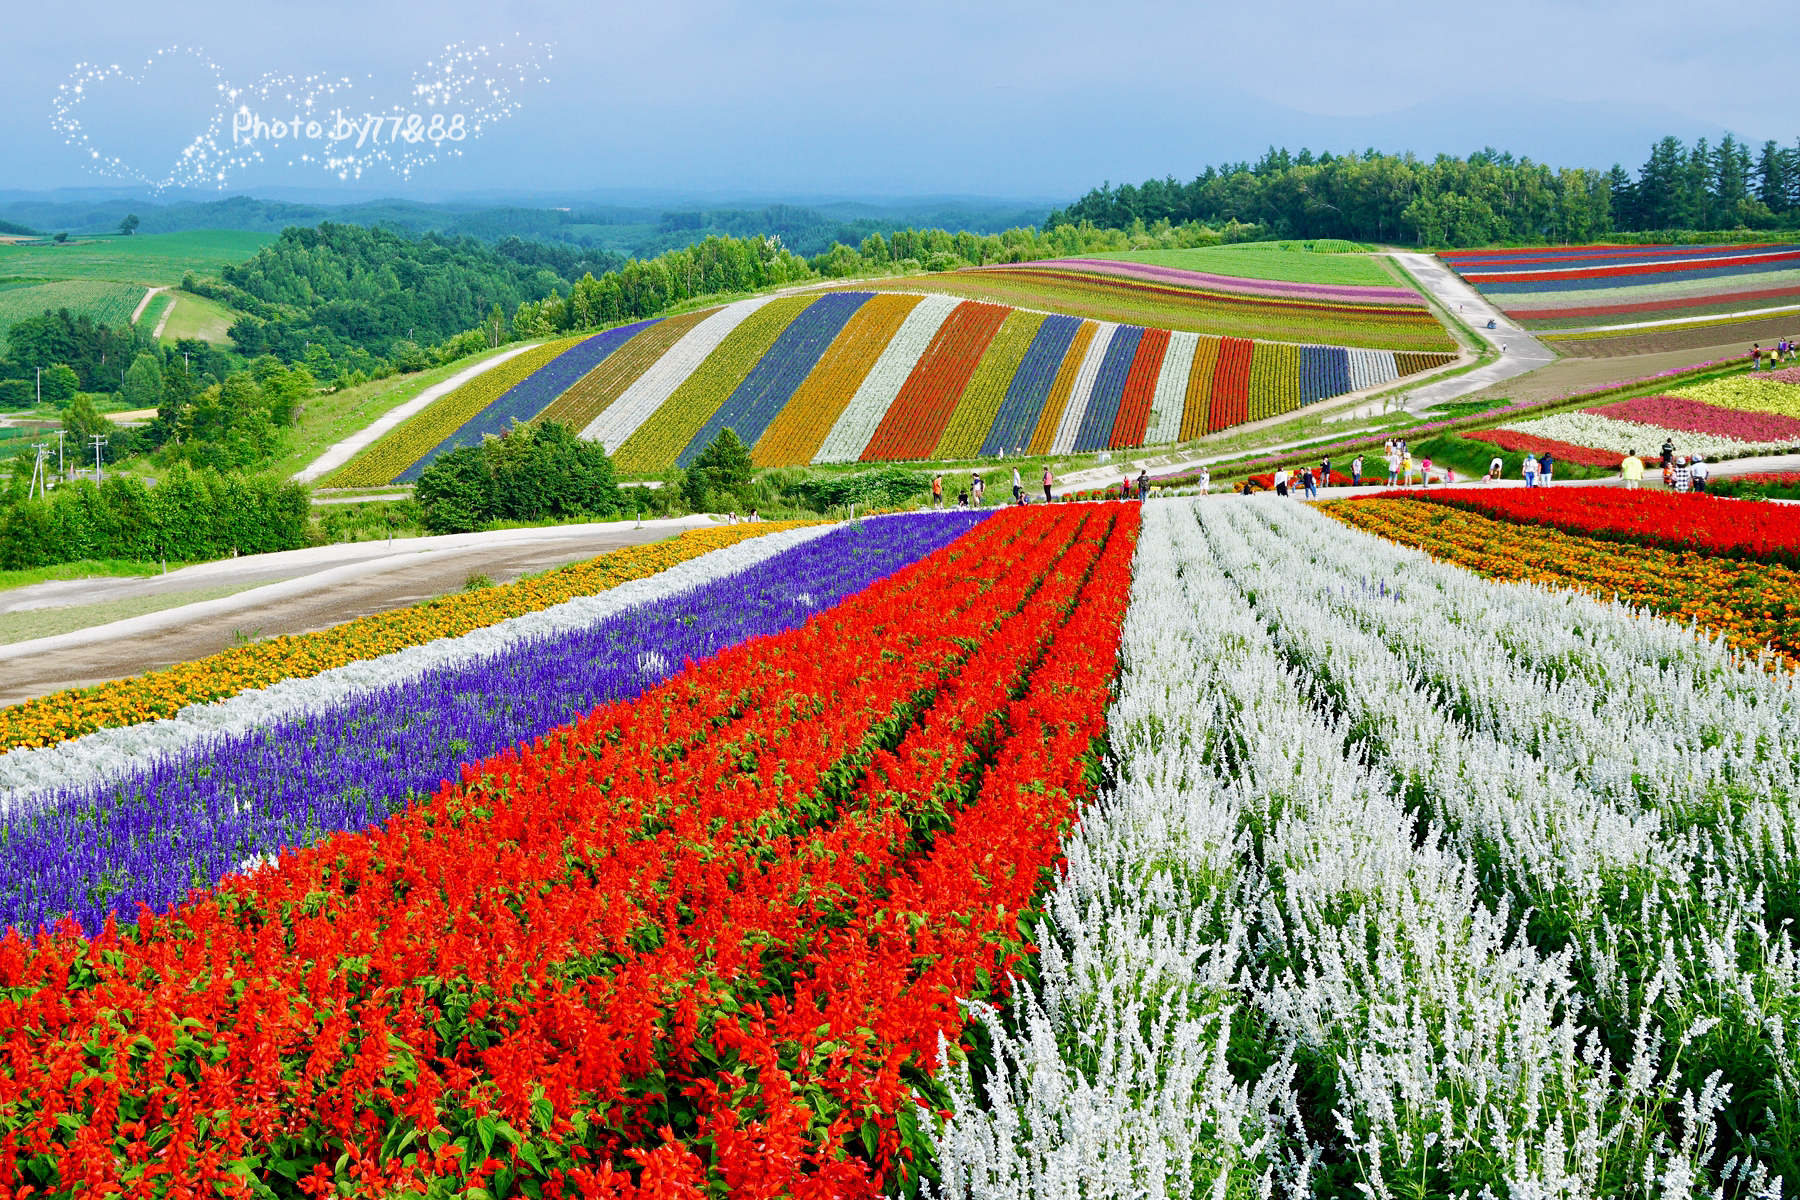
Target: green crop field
{"x": 107, "y": 303}
{"x": 150, "y": 259}
{"x": 1285, "y": 262}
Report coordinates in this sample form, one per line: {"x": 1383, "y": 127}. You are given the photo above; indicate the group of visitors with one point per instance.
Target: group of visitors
{"x": 1402, "y": 467}
{"x": 1777, "y": 354}
{"x": 1680, "y": 472}
{"x": 755, "y": 518}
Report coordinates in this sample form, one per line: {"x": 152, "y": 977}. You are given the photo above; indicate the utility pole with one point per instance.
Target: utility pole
{"x": 38, "y": 483}
{"x": 99, "y": 441}
{"x": 61, "y": 467}
{"x": 40, "y": 385}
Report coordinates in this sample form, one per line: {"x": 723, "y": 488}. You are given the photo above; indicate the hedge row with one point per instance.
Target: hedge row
{"x": 188, "y": 516}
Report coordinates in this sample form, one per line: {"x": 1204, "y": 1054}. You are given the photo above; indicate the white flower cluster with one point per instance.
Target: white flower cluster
{"x": 1624, "y": 437}
{"x": 1372, "y": 368}
{"x": 1169, "y": 400}
{"x": 1482, "y": 886}
{"x": 639, "y": 402}
{"x": 850, "y": 435}
{"x": 109, "y": 752}
{"x": 1086, "y": 375}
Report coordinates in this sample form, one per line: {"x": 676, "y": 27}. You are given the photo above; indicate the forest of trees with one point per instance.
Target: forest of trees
{"x": 345, "y": 295}
{"x": 1486, "y": 198}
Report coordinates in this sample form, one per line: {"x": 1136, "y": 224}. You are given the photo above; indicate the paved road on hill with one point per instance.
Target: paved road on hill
{"x": 1524, "y": 353}
{"x": 329, "y": 593}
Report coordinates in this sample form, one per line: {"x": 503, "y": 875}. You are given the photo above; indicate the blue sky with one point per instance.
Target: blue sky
{"x": 1010, "y": 99}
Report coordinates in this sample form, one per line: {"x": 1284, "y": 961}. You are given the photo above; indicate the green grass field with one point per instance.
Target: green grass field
{"x": 198, "y": 317}
{"x": 1283, "y": 262}
{"x": 150, "y": 259}
{"x": 107, "y": 303}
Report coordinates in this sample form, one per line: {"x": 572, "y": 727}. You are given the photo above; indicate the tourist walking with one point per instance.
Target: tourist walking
{"x": 1048, "y": 480}
{"x": 1406, "y": 466}
{"x": 1531, "y": 470}
{"x": 977, "y": 487}
{"x": 1310, "y": 483}
{"x": 1546, "y": 468}
{"x": 1281, "y": 481}
{"x": 1205, "y": 480}
{"x": 1018, "y": 491}
{"x": 937, "y": 490}
{"x": 1425, "y": 472}
{"x": 1356, "y": 471}
{"x": 1632, "y": 471}
{"x": 1143, "y": 486}
{"x": 1393, "y": 465}
{"x": 1699, "y": 472}
{"x": 1756, "y": 357}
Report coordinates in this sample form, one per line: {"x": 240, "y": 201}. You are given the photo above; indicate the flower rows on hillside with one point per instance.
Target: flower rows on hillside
{"x": 415, "y": 438}
{"x": 1580, "y": 286}
{"x": 844, "y": 376}
{"x": 704, "y": 942}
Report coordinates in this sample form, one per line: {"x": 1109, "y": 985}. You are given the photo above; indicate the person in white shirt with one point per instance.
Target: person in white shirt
{"x": 1281, "y": 481}
{"x": 1531, "y": 468}
{"x": 1495, "y": 469}
{"x": 1205, "y": 480}
{"x": 1018, "y": 486}
{"x": 1356, "y": 471}
{"x": 1699, "y": 472}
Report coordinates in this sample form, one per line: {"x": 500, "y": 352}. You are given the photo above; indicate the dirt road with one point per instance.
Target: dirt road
{"x": 393, "y": 587}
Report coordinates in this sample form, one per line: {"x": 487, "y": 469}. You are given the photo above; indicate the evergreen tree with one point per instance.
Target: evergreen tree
{"x": 721, "y": 471}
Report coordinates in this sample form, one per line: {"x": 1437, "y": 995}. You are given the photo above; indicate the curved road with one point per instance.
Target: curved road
{"x": 304, "y": 590}
{"x": 1524, "y": 353}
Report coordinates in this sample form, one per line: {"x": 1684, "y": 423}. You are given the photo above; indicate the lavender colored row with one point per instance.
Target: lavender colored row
{"x": 185, "y": 821}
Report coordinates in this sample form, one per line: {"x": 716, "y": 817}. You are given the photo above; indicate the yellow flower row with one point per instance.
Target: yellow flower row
{"x": 1746, "y": 393}
{"x": 68, "y": 714}
{"x": 1752, "y": 604}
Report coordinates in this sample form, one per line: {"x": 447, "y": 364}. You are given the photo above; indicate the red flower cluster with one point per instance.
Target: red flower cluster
{"x": 1667, "y": 520}
{"x": 702, "y": 942}
{"x": 1231, "y": 385}
{"x": 1568, "y": 452}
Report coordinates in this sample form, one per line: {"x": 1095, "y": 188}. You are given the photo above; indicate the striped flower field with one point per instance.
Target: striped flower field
{"x": 1578, "y": 286}
{"x": 1230, "y": 847}
{"x": 848, "y": 376}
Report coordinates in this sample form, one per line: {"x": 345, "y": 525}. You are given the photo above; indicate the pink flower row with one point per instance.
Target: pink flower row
{"x": 1693, "y": 416}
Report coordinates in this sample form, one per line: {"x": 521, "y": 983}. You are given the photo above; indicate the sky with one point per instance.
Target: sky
{"x": 1031, "y": 100}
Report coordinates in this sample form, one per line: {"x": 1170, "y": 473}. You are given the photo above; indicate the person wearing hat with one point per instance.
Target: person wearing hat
{"x": 1699, "y": 472}
{"x": 1684, "y": 478}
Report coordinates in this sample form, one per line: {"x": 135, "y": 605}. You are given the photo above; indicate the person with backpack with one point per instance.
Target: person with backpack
{"x": 1143, "y": 486}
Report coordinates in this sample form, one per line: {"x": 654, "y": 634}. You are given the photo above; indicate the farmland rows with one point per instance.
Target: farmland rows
{"x": 860, "y": 418}
{"x": 1135, "y": 399}
{"x": 797, "y": 432}
{"x": 414, "y": 438}
{"x": 979, "y": 409}
{"x": 921, "y": 411}
{"x": 666, "y": 433}
{"x": 640, "y": 400}
{"x": 1169, "y": 401}
{"x": 1102, "y": 408}
{"x": 1081, "y": 390}
{"x": 771, "y": 382}
{"x": 528, "y": 397}
{"x": 595, "y": 392}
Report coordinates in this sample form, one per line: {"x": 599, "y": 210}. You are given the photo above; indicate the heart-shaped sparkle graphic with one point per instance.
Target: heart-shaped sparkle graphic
{"x": 314, "y": 121}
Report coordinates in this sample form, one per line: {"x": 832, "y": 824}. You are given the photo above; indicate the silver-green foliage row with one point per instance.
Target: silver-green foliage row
{"x": 1381, "y": 903}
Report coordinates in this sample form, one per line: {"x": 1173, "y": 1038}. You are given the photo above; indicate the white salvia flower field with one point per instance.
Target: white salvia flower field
{"x": 1406, "y": 883}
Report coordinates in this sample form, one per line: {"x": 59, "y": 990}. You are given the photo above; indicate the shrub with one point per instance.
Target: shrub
{"x": 529, "y": 474}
